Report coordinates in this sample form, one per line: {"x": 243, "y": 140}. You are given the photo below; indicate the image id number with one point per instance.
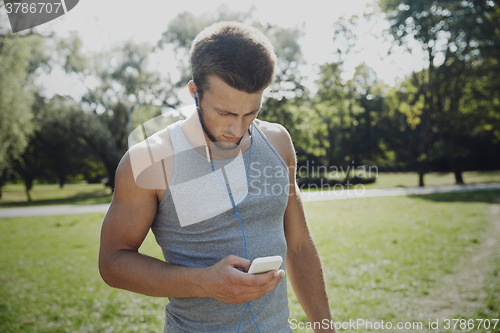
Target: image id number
{"x": 470, "y": 324}
{"x": 24, "y": 7}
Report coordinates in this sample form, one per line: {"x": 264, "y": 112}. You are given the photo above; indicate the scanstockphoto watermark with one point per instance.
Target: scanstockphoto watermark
{"x": 462, "y": 324}
{"x": 27, "y": 14}
{"x": 357, "y": 324}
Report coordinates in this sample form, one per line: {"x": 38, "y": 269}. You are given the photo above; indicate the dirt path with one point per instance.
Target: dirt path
{"x": 464, "y": 293}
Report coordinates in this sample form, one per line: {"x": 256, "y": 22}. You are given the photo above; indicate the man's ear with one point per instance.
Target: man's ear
{"x": 192, "y": 88}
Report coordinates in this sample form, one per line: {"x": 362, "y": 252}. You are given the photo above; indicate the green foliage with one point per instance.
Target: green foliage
{"x": 19, "y": 58}
{"x": 67, "y": 153}
{"x": 57, "y": 151}
{"x": 445, "y": 117}
{"x": 354, "y": 117}
{"x": 126, "y": 92}
{"x": 70, "y": 49}
{"x": 451, "y": 103}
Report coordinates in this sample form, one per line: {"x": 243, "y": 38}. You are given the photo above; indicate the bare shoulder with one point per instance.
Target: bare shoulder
{"x": 146, "y": 164}
{"x": 279, "y": 137}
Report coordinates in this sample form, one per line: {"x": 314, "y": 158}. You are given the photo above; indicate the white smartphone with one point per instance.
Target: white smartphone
{"x": 265, "y": 264}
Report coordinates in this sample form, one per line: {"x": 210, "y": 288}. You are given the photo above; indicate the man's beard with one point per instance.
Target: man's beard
{"x": 218, "y": 144}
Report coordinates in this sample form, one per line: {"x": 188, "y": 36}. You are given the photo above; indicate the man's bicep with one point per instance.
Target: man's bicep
{"x": 295, "y": 225}
{"x": 296, "y": 230}
{"x": 131, "y": 212}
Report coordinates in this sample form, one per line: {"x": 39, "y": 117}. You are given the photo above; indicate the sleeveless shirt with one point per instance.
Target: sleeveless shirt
{"x": 196, "y": 225}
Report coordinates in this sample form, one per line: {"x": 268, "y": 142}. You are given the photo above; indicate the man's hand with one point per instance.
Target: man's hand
{"x": 226, "y": 283}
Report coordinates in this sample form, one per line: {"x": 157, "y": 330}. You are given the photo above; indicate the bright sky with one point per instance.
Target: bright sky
{"x": 102, "y": 24}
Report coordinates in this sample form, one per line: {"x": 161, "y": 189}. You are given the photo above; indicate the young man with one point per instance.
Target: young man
{"x": 212, "y": 215}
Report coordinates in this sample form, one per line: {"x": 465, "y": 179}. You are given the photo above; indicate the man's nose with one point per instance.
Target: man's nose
{"x": 237, "y": 127}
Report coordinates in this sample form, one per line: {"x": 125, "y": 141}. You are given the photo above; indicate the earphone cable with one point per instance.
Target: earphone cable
{"x": 235, "y": 205}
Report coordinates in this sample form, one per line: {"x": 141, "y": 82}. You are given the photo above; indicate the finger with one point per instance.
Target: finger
{"x": 260, "y": 279}
{"x": 259, "y": 291}
{"x": 277, "y": 276}
{"x": 238, "y": 262}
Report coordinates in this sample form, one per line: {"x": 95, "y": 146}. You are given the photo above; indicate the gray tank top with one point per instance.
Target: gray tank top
{"x": 196, "y": 225}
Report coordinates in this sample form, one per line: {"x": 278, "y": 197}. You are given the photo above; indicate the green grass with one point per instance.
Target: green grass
{"x": 381, "y": 257}
{"x": 410, "y": 179}
{"x": 50, "y": 280}
{"x": 386, "y": 180}
{"x": 13, "y": 195}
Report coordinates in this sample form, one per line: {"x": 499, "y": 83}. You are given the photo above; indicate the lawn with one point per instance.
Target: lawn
{"x": 407, "y": 179}
{"x": 13, "y": 195}
{"x": 50, "y": 280}
{"x": 388, "y": 259}
{"x": 410, "y": 179}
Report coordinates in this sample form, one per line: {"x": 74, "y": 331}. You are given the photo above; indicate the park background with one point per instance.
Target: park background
{"x": 410, "y": 88}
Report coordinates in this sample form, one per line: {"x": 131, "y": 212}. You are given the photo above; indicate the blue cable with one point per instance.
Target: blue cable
{"x": 236, "y": 211}
{"x": 243, "y": 316}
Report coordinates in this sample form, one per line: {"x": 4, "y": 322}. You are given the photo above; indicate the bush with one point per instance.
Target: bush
{"x": 323, "y": 181}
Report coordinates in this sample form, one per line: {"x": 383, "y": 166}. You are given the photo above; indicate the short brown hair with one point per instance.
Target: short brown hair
{"x": 240, "y": 55}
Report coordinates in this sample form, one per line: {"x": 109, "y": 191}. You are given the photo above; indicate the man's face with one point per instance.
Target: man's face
{"x": 227, "y": 113}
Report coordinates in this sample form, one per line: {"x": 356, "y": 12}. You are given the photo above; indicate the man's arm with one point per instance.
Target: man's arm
{"x": 125, "y": 226}
{"x": 303, "y": 263}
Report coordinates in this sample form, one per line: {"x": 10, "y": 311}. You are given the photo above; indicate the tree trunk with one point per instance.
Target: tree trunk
{"x": 426, "y": 121}
{"x": 28, "y": 195}
{"x": 421, "y": 173}
{"x": 458, "y": 177}
{"x": 424, "y": 147}
{"x": 347, "y": 176}
{"x": 2, "y": 183}
{"x": 457, "y": 170}
{"x": 28, "y": 185}
{"x": 111, "y": 171}
{"x": 62, "y": 181}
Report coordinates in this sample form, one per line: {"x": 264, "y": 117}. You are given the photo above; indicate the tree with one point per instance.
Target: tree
{"x": 125, "y": 85}
{"x": 66, "y": 154}
{"x": 20, "y": 58}
{"x": 366, "y": 131}
{"x": 354, "y": 117}
{"x": 405, "y": 105}
{"x": 349, "y": 109}
{"x": 462, "y": 36}
{"x": 287, "y": 95}
{"x": 332, "y": 103}
{"x": 56, "y": 150}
